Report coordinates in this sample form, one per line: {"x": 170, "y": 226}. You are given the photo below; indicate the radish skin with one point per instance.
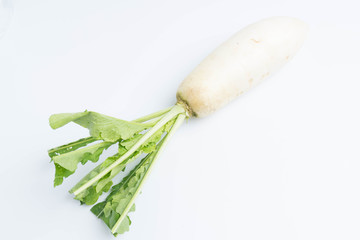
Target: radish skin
{"x": 240, "y": 63}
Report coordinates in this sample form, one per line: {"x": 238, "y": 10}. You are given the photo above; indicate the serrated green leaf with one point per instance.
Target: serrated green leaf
{"x": 60, "y": 174}
{"x": 61, "y": 119}
{"x": 92, "y": 153}
{"x": 118, "y": 200}
{"x": 70, "y": 146}
{"x": 100, "y": 126}
{"x": 66, "y": 164}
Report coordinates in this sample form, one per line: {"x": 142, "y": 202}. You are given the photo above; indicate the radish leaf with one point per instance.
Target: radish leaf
{"x": 100, "y": 126}
{"x": 66, "y": 163}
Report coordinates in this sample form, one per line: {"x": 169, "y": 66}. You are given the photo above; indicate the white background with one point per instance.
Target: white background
{"x": 281, "y": 162}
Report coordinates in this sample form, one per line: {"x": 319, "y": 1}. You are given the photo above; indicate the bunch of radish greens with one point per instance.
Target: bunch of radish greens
{"x": 233, "y": 68}
{"x": 142, "y": 138}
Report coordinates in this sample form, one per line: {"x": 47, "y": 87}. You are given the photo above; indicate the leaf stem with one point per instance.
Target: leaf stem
{"x": 152, "y": 115}
{"x": 179, "y": 120}
{"x": 175, "y": 110}
{"x": 152, "y": 122}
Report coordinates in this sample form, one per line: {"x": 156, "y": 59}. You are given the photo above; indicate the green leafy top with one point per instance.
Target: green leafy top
{"x": 133, "y": 142}
{"x": 101, "y": 126}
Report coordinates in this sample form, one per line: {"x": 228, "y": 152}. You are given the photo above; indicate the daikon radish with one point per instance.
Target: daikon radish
{"x": 237, "y": 65}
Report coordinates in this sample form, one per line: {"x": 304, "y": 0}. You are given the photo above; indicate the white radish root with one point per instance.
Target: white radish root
{"x": 240, "y": 63}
